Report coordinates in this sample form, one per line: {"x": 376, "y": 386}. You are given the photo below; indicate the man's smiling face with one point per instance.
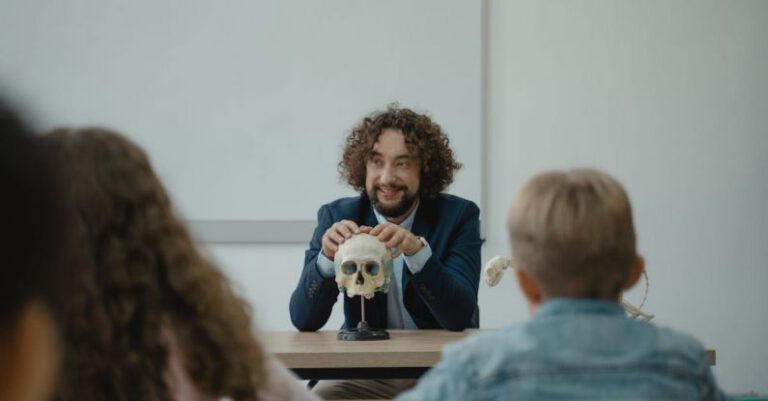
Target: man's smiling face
{"x": 392, "y": 175}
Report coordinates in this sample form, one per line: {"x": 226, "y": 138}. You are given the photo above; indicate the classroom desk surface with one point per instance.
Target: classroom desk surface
{"x": 408, "y": 354}
{"x": 319, "y": 355}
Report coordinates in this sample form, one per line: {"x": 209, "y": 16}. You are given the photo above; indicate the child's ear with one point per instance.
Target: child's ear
{"x": 529, "y": 286}
{"x": 634, "y": 274}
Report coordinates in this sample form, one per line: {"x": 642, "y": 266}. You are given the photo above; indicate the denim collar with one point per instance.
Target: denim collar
{"x": 570, "y": 306}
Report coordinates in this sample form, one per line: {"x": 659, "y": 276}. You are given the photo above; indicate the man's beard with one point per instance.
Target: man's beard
{"x": 397, "y": 210}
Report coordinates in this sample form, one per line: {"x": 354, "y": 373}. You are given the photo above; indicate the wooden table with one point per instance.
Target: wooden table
{"x": 408, "y": 354}
{"x": 319, "y": 355}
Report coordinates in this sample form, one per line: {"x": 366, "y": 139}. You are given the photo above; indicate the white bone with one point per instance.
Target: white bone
{"x": 635, "y": 312}
{"x": 494, "y": 270}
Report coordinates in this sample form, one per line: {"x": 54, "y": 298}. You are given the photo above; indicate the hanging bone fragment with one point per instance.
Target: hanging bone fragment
{"x": 363, "y": 266}
{"x": 494, "y": 270}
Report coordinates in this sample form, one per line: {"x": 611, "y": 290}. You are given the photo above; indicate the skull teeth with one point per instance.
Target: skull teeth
{"x": 363, "y": 266}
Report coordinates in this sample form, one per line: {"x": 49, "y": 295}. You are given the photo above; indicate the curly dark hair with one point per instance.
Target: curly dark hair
{"x": 424, "y": 138}
{"x": 147, "y": 289}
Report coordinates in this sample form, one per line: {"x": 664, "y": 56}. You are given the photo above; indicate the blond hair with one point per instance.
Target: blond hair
{"x": 572, "y": 231}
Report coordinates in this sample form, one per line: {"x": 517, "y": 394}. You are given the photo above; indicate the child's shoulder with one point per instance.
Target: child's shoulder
{"x": 677, "y": 342}
{"x": 487, "y": 345}
{"x": 528, "y": 339}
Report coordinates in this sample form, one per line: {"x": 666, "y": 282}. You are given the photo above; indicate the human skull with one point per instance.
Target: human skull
{"x": 363, "y": 266}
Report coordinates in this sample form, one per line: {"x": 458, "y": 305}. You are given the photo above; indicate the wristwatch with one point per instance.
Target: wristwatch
{"x": 423, "y": 244}
{"x": 423, "y": 240}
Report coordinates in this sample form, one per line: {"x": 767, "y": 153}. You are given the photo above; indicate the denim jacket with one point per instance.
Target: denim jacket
{"x": 572, "y": 350}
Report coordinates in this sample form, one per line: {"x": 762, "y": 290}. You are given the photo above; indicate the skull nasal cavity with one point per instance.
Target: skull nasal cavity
{"x": 359, "y": 280}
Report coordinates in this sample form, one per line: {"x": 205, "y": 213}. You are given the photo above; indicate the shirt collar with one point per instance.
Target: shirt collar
{"x": 406, "y": 224}
{"x": 570, "y": 306}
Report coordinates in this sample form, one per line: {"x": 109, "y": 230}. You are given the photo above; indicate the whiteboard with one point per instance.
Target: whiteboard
{"x": 243, "y": 106}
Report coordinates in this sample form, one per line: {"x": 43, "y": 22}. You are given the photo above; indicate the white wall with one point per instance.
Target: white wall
{"x": 266, "y": 275}
{"x": 672, "y": 99}
{"x": 228, "y": 96}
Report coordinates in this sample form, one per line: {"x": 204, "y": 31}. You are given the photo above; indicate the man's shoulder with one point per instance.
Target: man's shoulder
{"x": 451, "y": 199}
{"x": 453, "y": 202}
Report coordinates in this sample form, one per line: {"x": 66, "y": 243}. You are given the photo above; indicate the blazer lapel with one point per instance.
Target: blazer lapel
{"x": 367, "y": 217}
{"x": 423, "y": 221}
{"x": 422, "y": 227}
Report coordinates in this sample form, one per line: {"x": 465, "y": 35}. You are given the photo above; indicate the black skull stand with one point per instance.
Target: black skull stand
{"x": 362, "y": 332}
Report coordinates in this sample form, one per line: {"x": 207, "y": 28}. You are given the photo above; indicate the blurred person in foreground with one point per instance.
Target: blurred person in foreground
{"x": 155, "y": 319}
{"x": 33, "y": 269}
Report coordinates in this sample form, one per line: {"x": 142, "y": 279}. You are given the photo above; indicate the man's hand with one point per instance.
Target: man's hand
{"x": 337, "y": 234}
{"x": 397, "y": 238}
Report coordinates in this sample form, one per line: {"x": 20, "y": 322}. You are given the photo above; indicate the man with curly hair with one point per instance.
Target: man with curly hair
{"x": 401, "y": 163}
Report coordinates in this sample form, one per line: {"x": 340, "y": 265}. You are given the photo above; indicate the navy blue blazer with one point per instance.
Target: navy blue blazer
{"x": 443, "y": 295}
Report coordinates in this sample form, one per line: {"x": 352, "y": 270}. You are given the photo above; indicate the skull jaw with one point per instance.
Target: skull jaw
{"x": 367, "y": 289}
{"x": 367, "y": 295}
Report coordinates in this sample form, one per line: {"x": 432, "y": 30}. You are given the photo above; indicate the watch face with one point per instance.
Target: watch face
{"x": 423, "y": 243}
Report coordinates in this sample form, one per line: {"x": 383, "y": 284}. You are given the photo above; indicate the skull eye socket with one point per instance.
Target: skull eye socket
{"x": 349, "y": 268}
{"x": 372, "y": 268}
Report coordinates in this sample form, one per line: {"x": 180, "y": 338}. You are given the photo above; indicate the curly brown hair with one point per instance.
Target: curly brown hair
{"x": 145, "y": 278}
{"x": 424, "y": 138}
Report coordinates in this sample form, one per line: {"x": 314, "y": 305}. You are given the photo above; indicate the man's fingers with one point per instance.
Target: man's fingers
{"x": 396, "y": 252}
{"x": 340, "y": 231}
{"x": 376, "y": 230}
{"x": 349, "y": 227}
{"x": 386, "y": 233}
{"x": 333, "y": 237}
{"x": 329, "y": 248}
{"x": 392, "y": 235}
{"x": 365, "y": 229}
{"x": 396, "y": 240}
{"x": 337, "y": 234}
{"x": 343, "y": 230}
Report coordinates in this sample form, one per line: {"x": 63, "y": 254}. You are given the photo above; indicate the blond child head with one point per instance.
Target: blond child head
{"x": 572, "y": 236}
